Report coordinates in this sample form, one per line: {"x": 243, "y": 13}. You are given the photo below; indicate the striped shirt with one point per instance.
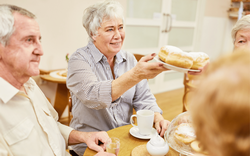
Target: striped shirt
{"x": 89, "y": 80}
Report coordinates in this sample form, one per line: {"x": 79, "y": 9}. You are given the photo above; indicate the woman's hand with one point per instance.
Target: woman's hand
{"x": 148, "y": 70}
{"x": 161, "y": 127}
{"x": 161, "y": 124}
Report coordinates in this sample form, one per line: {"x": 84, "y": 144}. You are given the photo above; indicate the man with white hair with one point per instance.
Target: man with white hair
{"x": 28, "y": 123}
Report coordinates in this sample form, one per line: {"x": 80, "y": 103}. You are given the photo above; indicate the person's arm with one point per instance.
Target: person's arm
{"x": 142, "y": 70}
{"x": 98, "y": 93}
{"x": 161, "y": 124}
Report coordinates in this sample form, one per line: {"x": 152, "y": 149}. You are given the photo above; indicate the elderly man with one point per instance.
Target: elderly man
{"x": 28, "y": 122}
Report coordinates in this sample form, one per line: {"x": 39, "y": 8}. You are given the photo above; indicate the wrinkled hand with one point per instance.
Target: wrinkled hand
{"x": 104, "y": 154}
{"x": 161, "y": 126}
{"x": 148, "y": 70}
{"x": 94, "y": 138}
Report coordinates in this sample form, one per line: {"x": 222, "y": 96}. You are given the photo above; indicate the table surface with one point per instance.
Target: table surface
{"x": 49, "y": 78}
{"x": 127, "y": 142}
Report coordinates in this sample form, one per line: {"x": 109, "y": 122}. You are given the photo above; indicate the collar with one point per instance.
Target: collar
{"x": 10, "y": 91}
{"x": 98, "y": 56}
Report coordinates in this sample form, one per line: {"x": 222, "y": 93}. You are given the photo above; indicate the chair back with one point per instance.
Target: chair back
{"x": 138, "y": 56}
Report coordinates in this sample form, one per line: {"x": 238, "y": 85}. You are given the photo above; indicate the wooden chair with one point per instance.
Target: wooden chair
{"x": 69, "y": 109}
{"x": 138, "y": 56}
{"x": 189, "y": 87}
{"x": 44, "y": 72}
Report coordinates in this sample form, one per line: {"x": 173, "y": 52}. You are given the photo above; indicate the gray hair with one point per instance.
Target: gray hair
{"x": 243, "y": 23}
{"x": 7, "y": 21}
{"x": 93, "y": 15}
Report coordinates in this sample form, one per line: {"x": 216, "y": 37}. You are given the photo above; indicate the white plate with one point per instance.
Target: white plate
{"x": 179, "y": 69}
{"x": 134, "y": 131}
{"x": 56, "y": 75}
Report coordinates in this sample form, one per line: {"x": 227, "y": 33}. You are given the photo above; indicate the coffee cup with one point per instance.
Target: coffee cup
{"x": 145, "y": 120}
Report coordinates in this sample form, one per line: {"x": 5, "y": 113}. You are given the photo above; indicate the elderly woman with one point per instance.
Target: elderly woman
{"x": 220, "y": 111}
{"x": 241, "y": 33}
{"x": 105, "y": 82}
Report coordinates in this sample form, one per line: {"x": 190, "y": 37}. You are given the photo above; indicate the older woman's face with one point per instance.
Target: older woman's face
{"x": 110, "y": 37}
{"x": 242, "y": 39}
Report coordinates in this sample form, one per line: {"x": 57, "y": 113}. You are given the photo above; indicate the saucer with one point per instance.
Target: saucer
{"x": 134, "y": 131}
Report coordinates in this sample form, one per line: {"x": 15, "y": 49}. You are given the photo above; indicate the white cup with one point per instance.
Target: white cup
{"x": 145, "y": 120}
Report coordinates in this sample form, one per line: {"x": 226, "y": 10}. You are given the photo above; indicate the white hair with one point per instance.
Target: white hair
{"x": 241, "y": 24}
{"x": 95, "y": 14}
{"x": 6, "y": 24}
{"x": 7, "y": 20}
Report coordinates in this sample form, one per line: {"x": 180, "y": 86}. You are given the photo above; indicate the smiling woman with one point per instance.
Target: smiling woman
{"x": 110, "y": 37}
{"x": 105, "y": 82}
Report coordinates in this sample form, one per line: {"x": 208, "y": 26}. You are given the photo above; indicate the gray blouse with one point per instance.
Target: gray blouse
{"x": 89, "y": 81}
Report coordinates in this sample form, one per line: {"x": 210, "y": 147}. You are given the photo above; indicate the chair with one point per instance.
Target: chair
{"x": 44, "y": 72}
{"x": 138, "y": 56}
{"x": 189, "y": 86}
{"x": 69, "y": 109}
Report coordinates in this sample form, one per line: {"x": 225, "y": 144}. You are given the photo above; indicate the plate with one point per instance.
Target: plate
{"x": 179, "y": 69}
{"x": 57, "y": 74}
{"x": 134, "y": 131}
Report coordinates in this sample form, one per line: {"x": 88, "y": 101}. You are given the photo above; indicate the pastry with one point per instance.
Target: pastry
{"x": 63, "y": 74}
{"x": 176, "y": 57}
{"x": 200, "y": 59}
{"x": 185, "y": 133}
{"x": 196, "y": 146}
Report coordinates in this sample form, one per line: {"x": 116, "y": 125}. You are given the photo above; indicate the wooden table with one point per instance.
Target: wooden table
{"x": 62, "y": 93}
{"x": 127, "y": 142}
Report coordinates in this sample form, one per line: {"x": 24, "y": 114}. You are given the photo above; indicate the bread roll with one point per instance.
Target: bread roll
{"x": 200, "y": 59}
{"x": 197, "y": 147}
{"x": 185, "y": 133}
{"x": 176, "y": 57}
{"x": 63, "y": 74}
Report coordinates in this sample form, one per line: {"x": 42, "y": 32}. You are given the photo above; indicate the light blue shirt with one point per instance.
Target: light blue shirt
{"x": 89, "y": 80}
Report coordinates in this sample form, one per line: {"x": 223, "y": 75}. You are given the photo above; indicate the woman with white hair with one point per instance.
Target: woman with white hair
{"x": 105, "y": 82}
{"x": 241, "y": 33}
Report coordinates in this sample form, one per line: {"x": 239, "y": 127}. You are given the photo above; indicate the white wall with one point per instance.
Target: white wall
{"x": 216, "y": 29}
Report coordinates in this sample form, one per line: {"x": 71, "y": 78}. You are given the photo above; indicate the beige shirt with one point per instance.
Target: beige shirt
{"x": 29, "y": 124}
